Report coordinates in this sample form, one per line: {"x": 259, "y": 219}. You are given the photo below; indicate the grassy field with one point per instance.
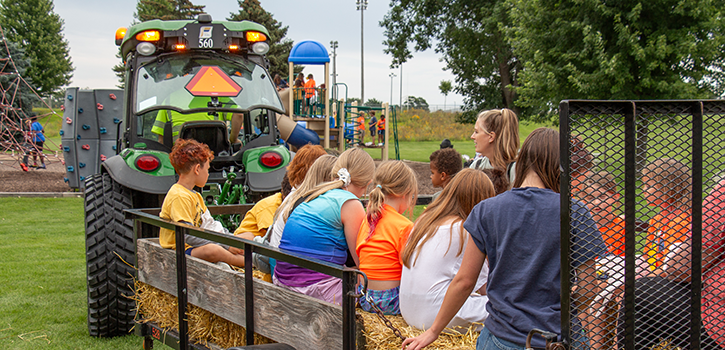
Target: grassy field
{"x": 42, "y": 277}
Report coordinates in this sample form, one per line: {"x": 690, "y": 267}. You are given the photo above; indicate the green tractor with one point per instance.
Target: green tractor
{"x": 200, "y": 79}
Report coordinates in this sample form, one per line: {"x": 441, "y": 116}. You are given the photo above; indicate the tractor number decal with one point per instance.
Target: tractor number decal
{"x": 205, "y": 37}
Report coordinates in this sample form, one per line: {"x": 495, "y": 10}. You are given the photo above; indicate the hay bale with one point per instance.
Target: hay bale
{"x": 380, "y": 337}
{"x": 205, "y": 327}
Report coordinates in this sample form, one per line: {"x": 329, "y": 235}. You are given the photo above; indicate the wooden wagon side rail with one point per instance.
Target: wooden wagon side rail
{"x": 279, "y": 314}
{"x": 258, "y": 306}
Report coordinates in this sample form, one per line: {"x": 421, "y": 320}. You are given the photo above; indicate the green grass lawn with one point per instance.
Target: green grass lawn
{"x": 42, "y": 277}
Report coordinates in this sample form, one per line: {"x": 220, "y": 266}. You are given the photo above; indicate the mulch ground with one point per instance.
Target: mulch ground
{"x": 14, "y": 179}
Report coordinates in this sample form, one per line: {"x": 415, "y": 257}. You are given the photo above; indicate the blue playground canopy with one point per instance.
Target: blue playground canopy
{"x": 309, "y": 52}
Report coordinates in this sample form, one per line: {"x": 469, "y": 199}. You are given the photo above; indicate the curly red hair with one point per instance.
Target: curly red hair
{"x": 305, "y": 156}
{"x": 187, "y": 153}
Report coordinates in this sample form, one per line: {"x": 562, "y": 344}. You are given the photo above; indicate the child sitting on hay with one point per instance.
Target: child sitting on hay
{"x": 183, "y": 204}
{"x": 383, "y": 234}
{"x": 444, "y": 164}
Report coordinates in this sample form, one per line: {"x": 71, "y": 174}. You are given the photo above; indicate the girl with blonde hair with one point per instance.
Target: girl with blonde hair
{"x": 383, "y": 234}
{"x": 496, "y": 136}
{"x": 325, "y": 226}
{"x": 434, "y": 252}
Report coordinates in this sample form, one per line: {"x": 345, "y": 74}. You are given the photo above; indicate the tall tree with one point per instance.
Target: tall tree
{"x": 36, "y": 28}
{"x": 469, "y": 34}
{"x": 445, "y": 88}
{"x": 279, "y": 48}
{"x": 147, "y": 10}
{"x": 591, "y": 49}
{"x": 16, "y": 92}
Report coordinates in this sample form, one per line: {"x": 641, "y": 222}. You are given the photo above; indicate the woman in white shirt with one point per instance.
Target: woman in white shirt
{"x": 434, "y": 251}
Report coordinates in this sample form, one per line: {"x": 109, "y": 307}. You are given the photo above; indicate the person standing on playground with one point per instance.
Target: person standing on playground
{"x": 38, "y": 137}
{"x": 373, "y": 125}
{"x": 361, "y": 127}
{"x": 381, "y": 130}
{"x": 310, "y": 86}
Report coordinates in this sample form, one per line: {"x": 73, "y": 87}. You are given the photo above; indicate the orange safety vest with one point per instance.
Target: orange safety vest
{"x": 310, "y": 88}
{"x": 381, "y": 124}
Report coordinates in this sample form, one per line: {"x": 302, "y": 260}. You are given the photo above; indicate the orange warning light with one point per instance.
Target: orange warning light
{"x": 256, "y": 36}
{"x": 212, "y": 81}
{"x": 120, "y": 34}
{"x": 233, "y": 47}
{"x": 148, "y": 35}
{"x": 180, "y": 46}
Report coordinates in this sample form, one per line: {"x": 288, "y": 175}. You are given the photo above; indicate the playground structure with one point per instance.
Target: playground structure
{"x": 15, "y": 138}
{"x": 334, "y": 123}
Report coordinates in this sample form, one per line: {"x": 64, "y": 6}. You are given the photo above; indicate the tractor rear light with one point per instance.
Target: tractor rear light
{"x": 271, "y": 159}
{"x": 253, "y": 37}
{"x": 233, "y": 47}
{"x": 180, "y": 47}
{"x": 260, "y": 48}
{"x": 149, "y": 35}
{"x": 120, "y": 34}
{"x": 148, "y": 163}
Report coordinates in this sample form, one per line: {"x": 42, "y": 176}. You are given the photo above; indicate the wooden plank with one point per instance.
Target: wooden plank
{"x": 280, "y": 314}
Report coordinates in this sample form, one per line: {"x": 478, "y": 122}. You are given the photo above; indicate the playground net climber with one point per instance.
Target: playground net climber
{"x": 16, "y": 135}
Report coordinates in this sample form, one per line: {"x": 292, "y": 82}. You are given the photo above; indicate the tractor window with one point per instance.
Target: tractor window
{"x": 202, "y": 82}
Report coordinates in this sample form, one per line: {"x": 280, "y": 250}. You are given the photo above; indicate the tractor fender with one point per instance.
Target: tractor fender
{"x": 266, "y": 182}
{"x": 120, "y": 172}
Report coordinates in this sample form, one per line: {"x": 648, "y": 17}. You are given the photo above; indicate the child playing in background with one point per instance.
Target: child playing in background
{"x": 667, "y": 184}
{"x": 381, "y": 130}
{"x": 38, "y": 138}
{"x": 599, "y": 192}
{"x": 191, "y": 160}
{"x": 444, "y": 164}
{"x": 310, "y": 86}
{"x": 434, "y": 252}
{"x": 383, "y": 234}
{"x": 325, "y": 227}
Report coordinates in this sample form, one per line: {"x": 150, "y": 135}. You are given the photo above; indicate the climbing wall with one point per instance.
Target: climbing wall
{"x": 89, "y": 132}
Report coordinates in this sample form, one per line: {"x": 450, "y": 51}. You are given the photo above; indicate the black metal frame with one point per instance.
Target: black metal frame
{"x": 181, "y": 341}
{"x": 630, "y": 110}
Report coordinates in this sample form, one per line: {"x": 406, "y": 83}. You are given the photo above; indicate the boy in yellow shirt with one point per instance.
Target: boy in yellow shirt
{"x": 182, "y": 204}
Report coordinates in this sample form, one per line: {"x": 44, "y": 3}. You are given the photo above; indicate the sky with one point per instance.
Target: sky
{"x": 90, "y": 26}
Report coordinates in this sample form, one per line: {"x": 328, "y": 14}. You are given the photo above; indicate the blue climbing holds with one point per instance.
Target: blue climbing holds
{"x": 83, "y": 178}
{"x": 70, "y": 169}
{"x": 114, "y": 147}
{"x": 81, "y": 165}
{"x": 61, "y": 133}
{"x": 66, "y": 149}
{"x": 116, "y": 120}
{"x": 80, "y": 110}
{"x": 86, "y": 126}
{"x": 70, "y": 97}
{"x": 103, "y": 130}
{"x": 78, "y": 137}
{"x": 65, "y": 179}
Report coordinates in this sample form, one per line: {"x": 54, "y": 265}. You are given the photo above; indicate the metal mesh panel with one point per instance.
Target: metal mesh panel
{"x": 650, "y": 174}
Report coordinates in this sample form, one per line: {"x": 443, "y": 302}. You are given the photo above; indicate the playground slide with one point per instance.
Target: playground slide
{"x": 289, "y": 130}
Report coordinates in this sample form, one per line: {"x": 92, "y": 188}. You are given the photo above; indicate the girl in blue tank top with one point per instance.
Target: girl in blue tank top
{"x": 519, "y": 232}
{"x": 325, "y": 227}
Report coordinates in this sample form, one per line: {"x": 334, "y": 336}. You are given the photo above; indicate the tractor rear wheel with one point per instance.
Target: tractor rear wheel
{"x": 109, "y": 257}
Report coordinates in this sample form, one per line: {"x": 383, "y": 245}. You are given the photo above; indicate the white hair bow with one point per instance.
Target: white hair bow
{"x": 344, "y": 175}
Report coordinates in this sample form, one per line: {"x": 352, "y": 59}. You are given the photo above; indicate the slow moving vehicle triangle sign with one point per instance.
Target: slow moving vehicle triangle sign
{"x": 212, "y": 81}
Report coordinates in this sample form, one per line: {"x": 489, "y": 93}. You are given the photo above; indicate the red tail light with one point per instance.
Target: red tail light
{"x": 148, "y": 163}
{"x": 270, "y": 159}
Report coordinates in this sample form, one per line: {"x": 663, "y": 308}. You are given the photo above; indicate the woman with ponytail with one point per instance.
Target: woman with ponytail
{"x": 496, "y": 136}
{"x": 383, "y": 234}
{"x": 325, "y": 226}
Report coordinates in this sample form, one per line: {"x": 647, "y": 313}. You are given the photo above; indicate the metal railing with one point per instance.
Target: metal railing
{"x": 642, "y": 168}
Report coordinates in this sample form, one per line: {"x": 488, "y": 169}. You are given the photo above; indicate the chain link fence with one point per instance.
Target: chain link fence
{"x": 651, "y": 174}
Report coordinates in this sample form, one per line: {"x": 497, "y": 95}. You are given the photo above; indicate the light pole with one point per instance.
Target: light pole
{"x": 401, "y": 87}
{"x": 362, "y": 5}
{"x": 333, "y": 44}
{"x": 391, "y": 75}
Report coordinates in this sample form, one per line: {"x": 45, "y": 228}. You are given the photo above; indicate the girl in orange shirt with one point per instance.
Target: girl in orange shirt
{"x": 383, "y": 234}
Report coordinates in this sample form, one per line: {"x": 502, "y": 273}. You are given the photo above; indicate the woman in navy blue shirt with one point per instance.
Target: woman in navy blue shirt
{"x": 519, "y": 232}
